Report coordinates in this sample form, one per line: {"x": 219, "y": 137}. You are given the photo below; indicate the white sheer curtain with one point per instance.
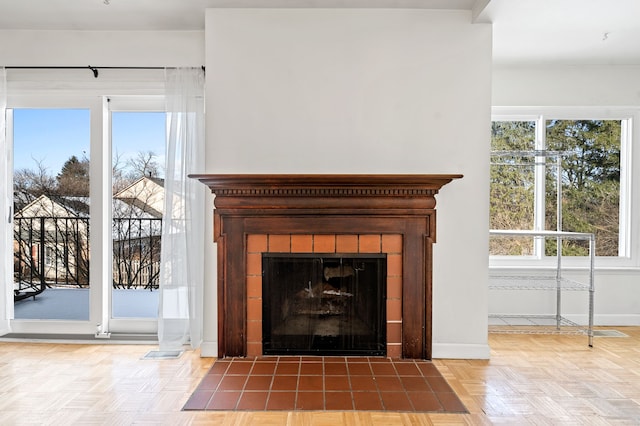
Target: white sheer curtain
{"x": 182, "y": 258}
{"x": 6, "y": 207}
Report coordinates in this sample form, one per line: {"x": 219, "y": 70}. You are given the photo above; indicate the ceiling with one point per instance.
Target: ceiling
{"x": 572, "y": 32}
{"x": 575, "y": 32}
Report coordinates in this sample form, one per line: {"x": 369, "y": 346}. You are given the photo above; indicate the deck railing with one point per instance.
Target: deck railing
{"x": 54, "y": 251}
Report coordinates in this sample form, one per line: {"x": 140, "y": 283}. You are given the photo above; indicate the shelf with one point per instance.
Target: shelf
{"x": 554, "y": 281}
{"x": 534, "y": 324}
{"x": 534, "y": 282}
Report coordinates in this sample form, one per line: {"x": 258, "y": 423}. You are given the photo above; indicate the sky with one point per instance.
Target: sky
{"x": 52, "y": 136}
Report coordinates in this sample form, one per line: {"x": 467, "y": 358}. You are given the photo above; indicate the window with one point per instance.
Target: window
{"x": 137, "y": 147}
{"x": 75, "y": 165}
{"x": 560, "y": 171}
{"x": 51, "y": 244}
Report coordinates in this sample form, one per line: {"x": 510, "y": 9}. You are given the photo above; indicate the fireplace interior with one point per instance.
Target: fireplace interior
{"x": 324, "y": 304}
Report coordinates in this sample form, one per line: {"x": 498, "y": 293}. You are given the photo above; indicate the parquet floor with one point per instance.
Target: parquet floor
{"x": 530, "y": 380}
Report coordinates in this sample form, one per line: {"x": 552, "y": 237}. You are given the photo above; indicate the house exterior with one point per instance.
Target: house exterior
{"x": 137, "y": 232}
{"x": 143, "y": 196}
{"x": 51, "y": 243}
{"x": 51, "y": 239}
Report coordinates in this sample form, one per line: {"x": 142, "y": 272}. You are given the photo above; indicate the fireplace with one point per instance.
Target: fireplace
{"x": 324, "y": 304}
{"x": 310, "y": 220}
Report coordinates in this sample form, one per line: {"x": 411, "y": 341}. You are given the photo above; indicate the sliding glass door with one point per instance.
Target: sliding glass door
{"x": 52, "y": 213}
{"x": 138, "y": 146}
{"x": 87, "y": 217}
{"x": 57, "y": 214}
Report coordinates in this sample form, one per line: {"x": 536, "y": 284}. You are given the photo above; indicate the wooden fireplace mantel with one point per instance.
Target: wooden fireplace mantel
{"x": 325, "y": 204}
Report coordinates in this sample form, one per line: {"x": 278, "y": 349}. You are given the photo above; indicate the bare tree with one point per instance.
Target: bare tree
{"x": 29, "y": 184}
{"x": 144, "y": 164}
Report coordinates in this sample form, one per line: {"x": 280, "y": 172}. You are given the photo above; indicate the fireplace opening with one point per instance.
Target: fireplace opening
{"x": 324, "y": 304}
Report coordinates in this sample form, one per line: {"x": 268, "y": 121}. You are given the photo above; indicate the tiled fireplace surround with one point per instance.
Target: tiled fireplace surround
{"x": 346, "y": 214}
{"x": 391, "y": 245}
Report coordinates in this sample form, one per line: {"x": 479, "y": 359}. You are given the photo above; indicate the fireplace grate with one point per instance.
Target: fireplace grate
{"x": 324, "y": 304}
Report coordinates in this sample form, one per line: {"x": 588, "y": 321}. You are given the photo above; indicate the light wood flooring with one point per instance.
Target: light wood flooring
{"x": 530, "y": 380}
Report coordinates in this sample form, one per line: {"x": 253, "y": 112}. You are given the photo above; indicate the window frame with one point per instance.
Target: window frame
{"x": 629, "y": 237}
{"x": 97, "y": 270}
{"x": 128, "y": 103}
{"x": 59, "y": 89}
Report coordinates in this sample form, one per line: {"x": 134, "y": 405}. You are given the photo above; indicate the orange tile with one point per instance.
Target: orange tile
{"x": 254, "y": 331}
{"x": 310, "y": 401}
{"x": 254, "y": 309}
{"x": 301, "y": 243}
{"x": 339, "y": 401}
{"x": 256, "y": 243}
{"x": 255, "y": 401}
{"x": 396, "y": 401}
{"x": 394, "y": 350}
{"x": 346, "y": 244}
{"x": 336, "y": 383}
{"x": 394, "y": 287}
{"x": 254, "y": 349}
{"x": 284, "y": 401}
{"x": 394, "y": 310}
{"x": 254, "y": 264}
{"x": 224, "y": 401}
{"x": 451, "y": 402}
{"x": 369, "y": 244}
{"x": 280, "y": 243}
{"x": 324, "y": 243}
{"x": 367, "y": 401}
{"x": 394, "y": 332}
{"x": 254, "y": 286}
{"x": 394, "y": 265}
{"x": 392, "y": 243}
{"x": 425, "y": 401}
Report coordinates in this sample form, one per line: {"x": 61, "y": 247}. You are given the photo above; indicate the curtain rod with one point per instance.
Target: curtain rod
{"x": 94, "y": 70}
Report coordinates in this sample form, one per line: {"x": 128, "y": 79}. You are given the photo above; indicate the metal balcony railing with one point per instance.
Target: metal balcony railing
{"x": 54, "y": 252}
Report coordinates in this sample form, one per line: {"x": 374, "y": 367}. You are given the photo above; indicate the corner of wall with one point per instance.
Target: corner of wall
{"x": 209, "y": 350}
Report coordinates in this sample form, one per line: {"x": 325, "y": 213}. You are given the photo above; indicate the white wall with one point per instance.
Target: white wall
{"x": 102, "y": 48}
{"x": 98, "y": 49}
{"x": 566, "y": 86}
{"x": 364, "y": 91}
{"x": 617, "y": 297}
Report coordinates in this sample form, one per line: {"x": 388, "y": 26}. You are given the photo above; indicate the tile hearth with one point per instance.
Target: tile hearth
{"x": 291, "y": 383}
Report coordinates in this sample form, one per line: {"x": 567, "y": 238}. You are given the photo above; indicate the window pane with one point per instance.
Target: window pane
{"x": 590, "y": 182}
{"x": 512, "y": 184}
{"x": 138, "y": 144}
{"x": 51, "y": 222}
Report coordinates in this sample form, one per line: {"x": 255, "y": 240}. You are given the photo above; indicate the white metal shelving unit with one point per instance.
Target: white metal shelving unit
{"x": 555, "y": 281}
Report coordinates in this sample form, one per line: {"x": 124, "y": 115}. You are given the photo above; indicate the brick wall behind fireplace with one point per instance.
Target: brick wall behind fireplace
{"x": 389, "y": 244}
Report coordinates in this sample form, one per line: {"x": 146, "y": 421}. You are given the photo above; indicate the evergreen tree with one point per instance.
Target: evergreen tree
{"x": 590, "y": 182}
{"x": 73, "y": 179}
{"x": 512, "y": 184}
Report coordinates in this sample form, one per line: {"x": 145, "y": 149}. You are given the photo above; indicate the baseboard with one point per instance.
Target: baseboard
{"x": 115, "y": 339}
{"x": 460, "y": 351}
{"x": 209, "y": 350}
{"x": 607, "y": 320}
